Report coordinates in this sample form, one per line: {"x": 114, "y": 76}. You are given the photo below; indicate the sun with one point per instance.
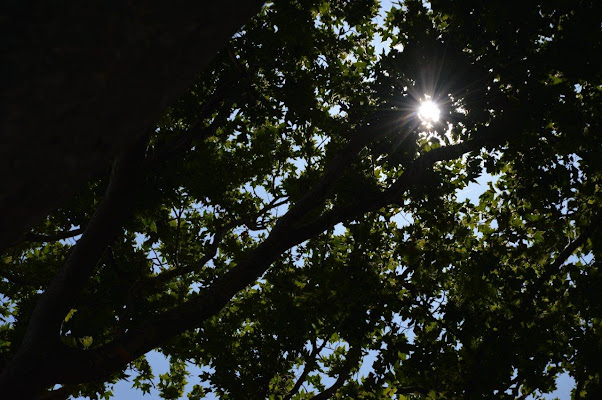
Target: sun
{"x": 429, "y": 112}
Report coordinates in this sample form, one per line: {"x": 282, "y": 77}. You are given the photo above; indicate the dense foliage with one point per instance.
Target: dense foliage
{"x": 292, "y": 218}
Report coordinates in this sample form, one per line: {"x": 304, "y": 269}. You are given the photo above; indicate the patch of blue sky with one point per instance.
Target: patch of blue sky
{"x": 123, "y": 390}
{"x": 475, "y": 189}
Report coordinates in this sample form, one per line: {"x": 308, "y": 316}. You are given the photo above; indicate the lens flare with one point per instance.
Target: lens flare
{"x": 429, "y": 112}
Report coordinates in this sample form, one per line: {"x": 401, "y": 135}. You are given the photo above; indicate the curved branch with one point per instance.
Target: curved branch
{"x": 308, "y": 368}
{"x": 495, "y": 134}
{"x": 250, "y": 222}
{"x": 353, "y": 356}
{"x": 42, "y": 335}
{"x": 145, "y": 56}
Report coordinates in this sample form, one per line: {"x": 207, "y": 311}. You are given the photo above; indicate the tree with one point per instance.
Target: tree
{"x": 82, "y": 81}
{"x": 292, "y": 216}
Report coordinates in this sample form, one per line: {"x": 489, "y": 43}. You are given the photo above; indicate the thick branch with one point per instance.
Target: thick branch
{"x": 42, "y": 335}
{"x": 415, "y": 174}
{"x": 95, "y": 364}
{"x": 495, "y": 134}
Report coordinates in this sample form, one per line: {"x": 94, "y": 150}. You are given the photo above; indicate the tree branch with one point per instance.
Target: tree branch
{"x": 414, "y": 174}
{"x": 381, "y": 125}
{"x": 310, "y": 363}
{"x": 41, "y": 342}
{"x": 42, "y": 237}
{"x": 169, "y": 274}
{"x": 411, "y": 389}
{"x": 495, "y": 134}
{"x": 568, "y": 251}
{"x": 183, "y": 142}
{"x": 351, "y": 360}
{"x": 61, "y": 393}
{"x": 250, "y": 222}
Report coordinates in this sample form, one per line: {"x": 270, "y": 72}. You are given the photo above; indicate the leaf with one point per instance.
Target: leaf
{"x": 86, "y": 341}
{"x": 70, "y": 314}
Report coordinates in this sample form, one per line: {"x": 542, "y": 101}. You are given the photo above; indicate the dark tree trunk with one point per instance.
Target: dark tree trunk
{"x": 83, "y": 80}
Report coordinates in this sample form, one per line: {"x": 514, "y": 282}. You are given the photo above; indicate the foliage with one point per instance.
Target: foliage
{"x": 294, "y": 220}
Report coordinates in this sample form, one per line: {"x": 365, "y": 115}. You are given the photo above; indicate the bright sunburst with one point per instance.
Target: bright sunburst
{"x": 429, "y": 112}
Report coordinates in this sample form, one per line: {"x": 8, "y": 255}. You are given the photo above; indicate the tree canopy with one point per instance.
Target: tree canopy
{"x": 295, "y": 226}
